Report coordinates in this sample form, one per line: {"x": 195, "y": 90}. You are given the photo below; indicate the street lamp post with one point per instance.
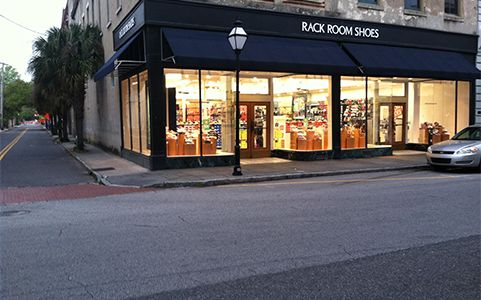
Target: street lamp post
{"x": 237, "y": 39}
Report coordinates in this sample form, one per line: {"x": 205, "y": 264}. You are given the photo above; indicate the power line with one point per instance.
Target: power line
{"x": 26, "y": 28}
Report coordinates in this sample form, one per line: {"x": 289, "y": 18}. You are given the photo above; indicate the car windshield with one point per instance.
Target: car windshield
{"x": 468, "y": 134}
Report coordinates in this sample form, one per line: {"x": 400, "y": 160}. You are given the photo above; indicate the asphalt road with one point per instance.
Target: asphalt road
{"x": 359, "y": 236}
{"x": 439, "y": 271}
{"x": 34, "y": 160}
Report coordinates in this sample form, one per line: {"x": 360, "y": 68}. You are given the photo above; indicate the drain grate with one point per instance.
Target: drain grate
{"x": 11, "y": 213}
{"x": 104, "y": 169}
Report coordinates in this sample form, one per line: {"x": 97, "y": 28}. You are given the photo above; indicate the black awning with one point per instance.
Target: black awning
{"x": 376, "y": 60}
{"x": 205, "y": 49}
{"x": 110, "y": 65}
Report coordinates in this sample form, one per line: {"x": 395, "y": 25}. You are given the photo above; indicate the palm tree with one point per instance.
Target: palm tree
{"x": 62, "y": 64}
{"x": 49, "y": 88}
{"x": 81, "y": 57}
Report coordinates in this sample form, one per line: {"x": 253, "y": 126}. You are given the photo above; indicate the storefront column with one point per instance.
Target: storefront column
{"x": 472, "y": 102}
{"x": 157, "y": 96}
{"x": 336, "y": 115}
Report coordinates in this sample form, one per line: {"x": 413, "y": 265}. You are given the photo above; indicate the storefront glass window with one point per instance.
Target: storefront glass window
{"x": 437, "y": 100}
{"x": 183, "y": 117}
{"x": 144, "y": 113}
{"x": 134, "y": 110}
{"x": 463, "y": 105}
{"x": 126, "y": 114}
{"x": 301, "y": 112}
{"x": 353, "y": 112}
{"x": 250, "y": 84}
{"x": 218, "y": 122}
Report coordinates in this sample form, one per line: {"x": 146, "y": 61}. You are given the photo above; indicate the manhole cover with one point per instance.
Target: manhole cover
{"x": 10, "y": 213}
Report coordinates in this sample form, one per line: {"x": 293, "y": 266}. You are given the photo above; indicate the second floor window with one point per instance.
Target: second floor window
{"x": 451, "y": 7}
{"x": 412, "y": 4}
{"x": 368, "y": 1}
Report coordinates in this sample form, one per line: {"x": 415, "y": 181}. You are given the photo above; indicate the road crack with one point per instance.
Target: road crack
{"x": 183, "y": 220}
{"x": 345, "y": 251}
{"x": 83, "y": 285}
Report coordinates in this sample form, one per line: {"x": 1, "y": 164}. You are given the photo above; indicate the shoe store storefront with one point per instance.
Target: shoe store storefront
{"x": 310, "y": 87}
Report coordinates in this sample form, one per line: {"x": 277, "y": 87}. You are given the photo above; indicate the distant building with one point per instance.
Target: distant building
{"x": 320, "y": 78}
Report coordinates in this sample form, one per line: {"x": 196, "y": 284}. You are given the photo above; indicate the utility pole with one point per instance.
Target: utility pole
{"x": 2, "y": 76}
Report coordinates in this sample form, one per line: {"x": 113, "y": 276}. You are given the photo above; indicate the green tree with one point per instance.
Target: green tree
{"x": 61, "y": 65}
{"x": 82, "y": 56}
{"x": 18, "y": 100}
{"x": 50, "y": 90}
{"x": 10, "y": 74}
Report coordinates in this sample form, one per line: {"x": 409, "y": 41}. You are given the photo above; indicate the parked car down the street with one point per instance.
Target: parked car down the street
{"x": 463, "y": 150}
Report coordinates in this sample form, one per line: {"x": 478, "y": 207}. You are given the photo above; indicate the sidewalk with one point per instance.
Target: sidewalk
{"x": 110, "y": 169}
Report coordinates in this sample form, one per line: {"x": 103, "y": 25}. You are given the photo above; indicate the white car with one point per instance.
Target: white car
{"x": 463, "y": 150}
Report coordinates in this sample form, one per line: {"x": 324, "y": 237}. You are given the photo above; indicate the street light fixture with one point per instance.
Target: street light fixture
{"x": 237, "y": 39}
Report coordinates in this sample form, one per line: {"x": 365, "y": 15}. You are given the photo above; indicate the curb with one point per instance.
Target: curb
{"x": 239, "y": 180}
{"x": 97, "y": 176}
{"x": 276, "y": 177}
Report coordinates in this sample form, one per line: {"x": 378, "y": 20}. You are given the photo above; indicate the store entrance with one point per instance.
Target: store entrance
{"x": 254, "y": 129}
{"x": 392, "y": 125}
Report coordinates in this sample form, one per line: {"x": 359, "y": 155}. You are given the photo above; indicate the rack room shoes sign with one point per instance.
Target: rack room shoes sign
{"x": 340, "y": 30}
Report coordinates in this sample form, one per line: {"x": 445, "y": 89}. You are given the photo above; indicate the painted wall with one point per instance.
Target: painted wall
{"x": 430, "y": 16}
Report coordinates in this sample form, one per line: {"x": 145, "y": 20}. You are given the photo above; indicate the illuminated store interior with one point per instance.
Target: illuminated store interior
{"x": 400, "y": 111}
{"x": 292, "y": 112}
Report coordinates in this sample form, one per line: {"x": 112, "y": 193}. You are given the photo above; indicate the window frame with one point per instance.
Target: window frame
{"x": 368, "y": 2}
{"x": 456, "y": 6}
{"x": 419, "y": 6}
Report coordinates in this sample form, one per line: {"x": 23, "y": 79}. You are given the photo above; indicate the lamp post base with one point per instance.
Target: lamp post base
{"x": 237, "y": 167}
{"x": 237, "y": 171}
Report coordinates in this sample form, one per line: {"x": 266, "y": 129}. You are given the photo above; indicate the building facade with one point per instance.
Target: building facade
{"x": 478, "y": 63}
{"x": 319, "y": 79}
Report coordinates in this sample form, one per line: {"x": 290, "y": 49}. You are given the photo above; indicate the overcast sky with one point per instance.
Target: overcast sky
{"x": 15, "y": 41}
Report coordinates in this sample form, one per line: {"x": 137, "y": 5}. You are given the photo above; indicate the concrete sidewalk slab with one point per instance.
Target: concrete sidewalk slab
{"x": 110, "y": 169}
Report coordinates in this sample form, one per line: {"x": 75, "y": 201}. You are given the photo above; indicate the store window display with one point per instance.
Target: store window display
{"x": 463, "y": 105}
{"x": 135, "y": 113}
{"x": 200, "y": 112}
{"x": 217, "y": 113}
{"x": 301, "y": 112}
{"x": 183, "y": 107}
{"x": 126, "y": 128}
{"x": 353, "y": 112}
{"x": 144, "y": 112}
{"x": 432, "y": 106}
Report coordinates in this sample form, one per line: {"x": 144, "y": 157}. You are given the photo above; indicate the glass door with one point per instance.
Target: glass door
{"x": 255, "y": 130}
{"x": 398, "y": 135}
{"x": 384, "y": 124}
{"x": 392, "y": 124}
